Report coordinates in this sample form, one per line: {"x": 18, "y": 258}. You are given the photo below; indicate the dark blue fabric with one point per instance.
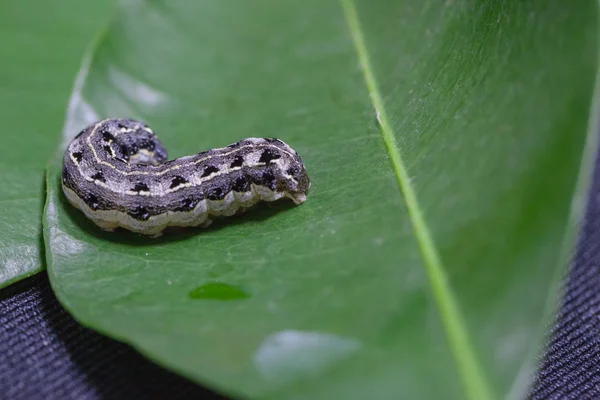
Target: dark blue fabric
{"x": 45, "y": 354}
{"x": 570, "y": 368}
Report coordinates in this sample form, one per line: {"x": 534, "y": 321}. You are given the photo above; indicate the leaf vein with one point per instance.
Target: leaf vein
{"x": 475, "y": 384}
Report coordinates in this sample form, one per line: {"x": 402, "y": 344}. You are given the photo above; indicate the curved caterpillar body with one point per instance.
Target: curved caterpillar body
{"x": 116, "y": 171}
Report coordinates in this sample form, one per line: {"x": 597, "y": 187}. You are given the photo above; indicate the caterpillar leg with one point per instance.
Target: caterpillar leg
{"x": 106, "y": 225}
{"x": 206, "y": 223}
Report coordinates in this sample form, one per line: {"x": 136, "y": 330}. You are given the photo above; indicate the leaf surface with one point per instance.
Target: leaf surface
{"x": 40, "y": 48}
{"x": 444, "y": 142}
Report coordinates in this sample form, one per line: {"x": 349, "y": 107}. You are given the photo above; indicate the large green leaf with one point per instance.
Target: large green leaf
{"x": 41, "y": 44}
{"x": 444, "y": 142}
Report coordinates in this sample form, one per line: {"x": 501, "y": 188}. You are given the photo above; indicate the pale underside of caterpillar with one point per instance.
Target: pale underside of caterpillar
{"x": 116, "y": 172}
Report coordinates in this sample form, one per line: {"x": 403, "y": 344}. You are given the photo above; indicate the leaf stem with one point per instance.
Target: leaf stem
{"x": 474, "y": 382}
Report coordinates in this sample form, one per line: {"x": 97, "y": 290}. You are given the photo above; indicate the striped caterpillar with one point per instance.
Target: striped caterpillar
{"x": 116, "y": 172}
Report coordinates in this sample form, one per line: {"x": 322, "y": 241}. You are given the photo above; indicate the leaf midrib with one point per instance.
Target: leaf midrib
{"x": 475, "y": 384}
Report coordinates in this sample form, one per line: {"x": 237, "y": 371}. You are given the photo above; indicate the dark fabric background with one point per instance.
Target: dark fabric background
{"x": 570, "y": 368}
{"x": 45, "y": 354}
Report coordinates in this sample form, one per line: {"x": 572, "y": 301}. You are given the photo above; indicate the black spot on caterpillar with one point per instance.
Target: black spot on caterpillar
{"x": 98, "y": 176}
{"x": 238, "y": 161}
{"x": 116, "y": 171}
{"x": 209, "y": 170}
{"x": 107, "y": 136}
{"x": 177, "y": 180}
{"x": 140, "y": 187}
{"x": 267, "y": 156}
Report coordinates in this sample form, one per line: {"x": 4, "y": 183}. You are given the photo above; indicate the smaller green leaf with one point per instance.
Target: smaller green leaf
{"x": 41, "y": 44}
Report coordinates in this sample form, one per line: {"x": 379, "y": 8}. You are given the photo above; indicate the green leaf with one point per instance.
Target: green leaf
{"x": 41, "y": 47}
{"x": 444, "y": 142}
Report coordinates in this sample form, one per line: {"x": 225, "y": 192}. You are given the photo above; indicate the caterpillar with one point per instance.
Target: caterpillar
{"x": 117, "y": 173}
